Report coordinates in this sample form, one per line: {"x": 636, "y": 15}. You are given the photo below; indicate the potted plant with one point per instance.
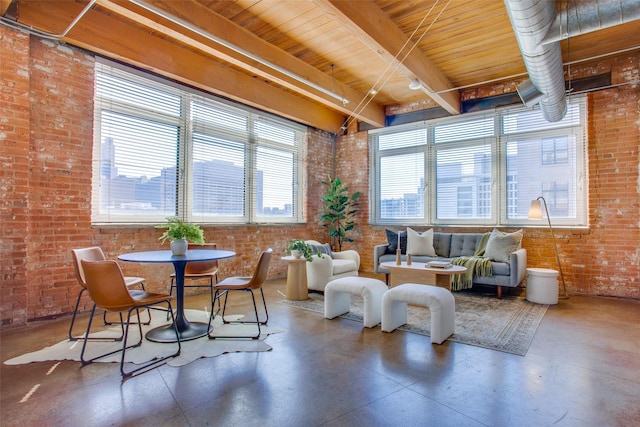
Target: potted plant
{"x": 339, "y": 211}
{"x": 180, "y": 233}
{"x": 299, "y": 249}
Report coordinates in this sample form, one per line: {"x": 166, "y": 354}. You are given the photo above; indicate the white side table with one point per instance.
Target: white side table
{"x": 542, "y": 285}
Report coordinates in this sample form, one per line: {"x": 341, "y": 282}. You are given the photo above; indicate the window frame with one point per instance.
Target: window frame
{"x": 503, "y": 188}
{"x": 188, "y": 127}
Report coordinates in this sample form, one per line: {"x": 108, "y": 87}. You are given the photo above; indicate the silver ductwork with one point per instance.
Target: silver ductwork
{"x": 539, "y": 31}
{"x": 531, "y": 20}
{"x": 586, "y": 16}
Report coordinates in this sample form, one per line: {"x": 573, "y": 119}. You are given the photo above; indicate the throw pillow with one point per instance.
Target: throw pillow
{"x": 324, "y": 249}
{"x": 392, "y": 241}
{"x": 501, "y": 244}
{"x": 420, "y": 243}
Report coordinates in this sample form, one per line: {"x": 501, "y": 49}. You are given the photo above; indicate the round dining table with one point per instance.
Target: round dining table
{"x": 186, "y": 330}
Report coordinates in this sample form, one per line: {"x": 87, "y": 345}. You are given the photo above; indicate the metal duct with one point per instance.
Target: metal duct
{"x": 587, "y": 16}
{"x": 531, "y": 20}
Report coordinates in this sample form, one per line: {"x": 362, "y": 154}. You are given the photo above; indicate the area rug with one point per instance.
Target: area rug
{"x": 191, "y": 350}
{"x": 508, "y": 324}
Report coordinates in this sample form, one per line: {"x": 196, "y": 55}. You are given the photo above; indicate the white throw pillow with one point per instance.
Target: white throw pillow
{"x": 501, "y": 244}
{"x": 420, "y": 243}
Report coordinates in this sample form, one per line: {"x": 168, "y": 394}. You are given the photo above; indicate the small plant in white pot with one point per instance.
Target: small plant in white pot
{"x": 180, "y": 233}
{"x": 300, "y": 249}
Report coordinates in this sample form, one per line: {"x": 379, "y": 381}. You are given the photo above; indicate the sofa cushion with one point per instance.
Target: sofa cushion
{"x": 464, "y": 244}
{"x": 442, "y": 244}
{"x": 343, "y": 266}
{"x": 420, "y": 243}
{"x": 392, "y": 241}
{"x": 501, "y": 244}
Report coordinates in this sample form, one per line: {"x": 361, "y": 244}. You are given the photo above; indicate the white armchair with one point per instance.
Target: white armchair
{"x": 322, "y": 270}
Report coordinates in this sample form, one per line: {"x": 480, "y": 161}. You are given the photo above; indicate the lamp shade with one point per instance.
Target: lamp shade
{"x": 535, "y": 210}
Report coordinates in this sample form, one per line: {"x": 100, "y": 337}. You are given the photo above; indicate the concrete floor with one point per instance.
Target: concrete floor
{"x": 582, "y": 369}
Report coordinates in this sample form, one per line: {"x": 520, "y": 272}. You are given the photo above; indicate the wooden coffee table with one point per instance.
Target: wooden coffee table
{"x": 418, "y": 272}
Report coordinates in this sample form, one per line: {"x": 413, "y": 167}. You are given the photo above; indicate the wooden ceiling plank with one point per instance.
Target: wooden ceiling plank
{"x": 221, "y": 28}
{"x": 181, "y": 63}
{"x": 380, "y": 34}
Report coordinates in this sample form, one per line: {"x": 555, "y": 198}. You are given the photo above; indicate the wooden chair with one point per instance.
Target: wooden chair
{"x": 94, "y": 253}
{"x": 107, "y": 287}
{"x": 246, "y": 284}
{"x": 199, "y": 270}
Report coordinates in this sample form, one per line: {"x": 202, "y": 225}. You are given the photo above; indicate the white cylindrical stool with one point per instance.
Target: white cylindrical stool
{"x": 542, "y": 285}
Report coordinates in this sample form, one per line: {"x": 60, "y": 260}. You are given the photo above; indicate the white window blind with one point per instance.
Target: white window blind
{"x": 161, "y": 150}
{"x": 481, "y": 169}
{"x": 548, "y": 161}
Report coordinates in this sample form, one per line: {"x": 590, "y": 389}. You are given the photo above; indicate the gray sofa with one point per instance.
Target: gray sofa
{"x": 451, "y": 245}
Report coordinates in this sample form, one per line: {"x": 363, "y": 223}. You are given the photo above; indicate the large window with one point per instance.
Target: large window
{"x": 162, "y": 150}
{"x": 481, "y": 169}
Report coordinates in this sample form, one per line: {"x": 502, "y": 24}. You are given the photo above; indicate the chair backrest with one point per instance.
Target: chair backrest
{"x": 106, "y": 285}
{"x": 260, "y": 273}
{"x": 93, "y": 253}
{"x": 204, "y": 266}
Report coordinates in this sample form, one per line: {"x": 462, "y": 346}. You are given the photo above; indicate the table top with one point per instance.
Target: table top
{"x": 455, "y": 269}
{"x": 168, "y": 256}
{"x": 291, "y": 258}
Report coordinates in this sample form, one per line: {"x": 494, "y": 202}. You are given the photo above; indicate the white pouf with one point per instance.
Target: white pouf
{"x": 337, "y": 297}
{"x": 542, "y": 285}
{"x": 439, "y": 301}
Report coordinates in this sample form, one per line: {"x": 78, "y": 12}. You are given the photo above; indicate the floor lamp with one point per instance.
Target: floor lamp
{"x": 535, "y": 212}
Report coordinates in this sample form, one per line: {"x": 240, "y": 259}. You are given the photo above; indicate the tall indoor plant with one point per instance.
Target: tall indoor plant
{"x": 180, "y": 233}
{"x": 340, "y": 208}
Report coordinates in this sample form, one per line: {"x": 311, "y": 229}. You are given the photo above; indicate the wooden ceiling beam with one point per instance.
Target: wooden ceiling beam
{"x": 369, "y": 23}
{"x": 113, "y": 37}
{"x": 205, "y": 28}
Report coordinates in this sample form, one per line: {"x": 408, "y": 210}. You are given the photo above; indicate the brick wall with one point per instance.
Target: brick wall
{"x": 46, "y": 132}
{"x": 46, "y": 137}
{"x": 14, "y": 173}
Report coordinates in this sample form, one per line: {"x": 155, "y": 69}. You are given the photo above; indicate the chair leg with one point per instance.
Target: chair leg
{"x": 73, "y": 319}
{"x": 86, "y": 339}
{"x": 224, "y": 308}
{"x": 154, "y": 362}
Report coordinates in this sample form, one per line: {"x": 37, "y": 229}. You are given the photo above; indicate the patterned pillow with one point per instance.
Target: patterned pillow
{"x": 501, "y": 244}
{"x": 392, "y": 241}
{"x": 324, "y": 249}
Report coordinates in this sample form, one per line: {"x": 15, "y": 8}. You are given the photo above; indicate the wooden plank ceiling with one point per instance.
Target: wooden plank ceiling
{"x": 325, "y": 63}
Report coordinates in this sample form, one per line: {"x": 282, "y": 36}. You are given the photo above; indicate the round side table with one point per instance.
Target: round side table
{"x": 542, "y": 285}
{"x": 296, "y": 278}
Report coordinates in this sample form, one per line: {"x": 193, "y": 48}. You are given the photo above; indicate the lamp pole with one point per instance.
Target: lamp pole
{"x": 555, "y": 245}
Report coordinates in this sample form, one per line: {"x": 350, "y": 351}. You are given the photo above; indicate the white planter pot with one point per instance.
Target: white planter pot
{"x": 179, "y": 247}
{"x": 296, "y": 254}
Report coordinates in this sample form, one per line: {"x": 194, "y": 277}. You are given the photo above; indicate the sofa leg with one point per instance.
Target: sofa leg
{"x": 499, "y": 292}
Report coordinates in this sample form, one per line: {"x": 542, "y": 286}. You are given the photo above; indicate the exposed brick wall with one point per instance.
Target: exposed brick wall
{"x": 14, "y": 174}
{"x": 46, "y": 135}
{"x": 46, "y": 131}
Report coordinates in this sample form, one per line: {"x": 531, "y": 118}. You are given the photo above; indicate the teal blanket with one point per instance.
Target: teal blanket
{"x": 476, "y": 265}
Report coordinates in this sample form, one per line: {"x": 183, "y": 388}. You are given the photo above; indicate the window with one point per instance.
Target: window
{"x": 162, "y": 150}
{"x": 481, "y": 169}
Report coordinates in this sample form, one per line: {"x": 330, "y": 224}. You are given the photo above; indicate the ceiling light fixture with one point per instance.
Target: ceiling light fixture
{"x": 237, "y": 49}
{"x": 415, "y": 84}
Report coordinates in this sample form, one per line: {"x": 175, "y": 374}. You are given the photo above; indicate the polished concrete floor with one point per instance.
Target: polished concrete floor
{"x": 582, "y": 369}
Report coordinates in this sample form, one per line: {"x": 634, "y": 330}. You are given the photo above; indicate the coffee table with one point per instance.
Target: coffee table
{"x": 418, "y": 272}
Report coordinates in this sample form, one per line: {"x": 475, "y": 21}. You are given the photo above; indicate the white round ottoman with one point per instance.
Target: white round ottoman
{"x": 439, "y": 301}
{"x": 337, "y": 297}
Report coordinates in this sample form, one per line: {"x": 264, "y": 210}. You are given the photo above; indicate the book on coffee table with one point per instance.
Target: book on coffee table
{"x": 439, "y": 264}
